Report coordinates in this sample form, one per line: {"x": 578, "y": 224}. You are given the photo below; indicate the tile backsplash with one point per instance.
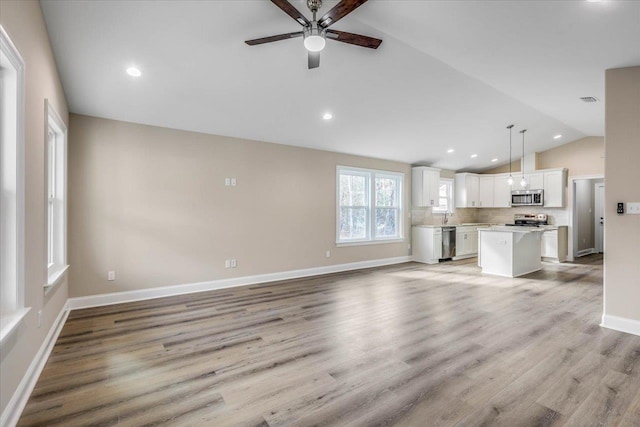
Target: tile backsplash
{"x": 424, "y": 216}
{"x": 505, "y": 215}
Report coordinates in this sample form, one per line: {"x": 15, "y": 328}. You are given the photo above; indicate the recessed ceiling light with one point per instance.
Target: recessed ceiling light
{"x": 473, "y": 156}
{"x": 450, "y": 150}
{"x": 327, "y": 116}
{"x": 494, "y": 160}
{"x": 134, "y": 72}
{"x": 557, "y": 136}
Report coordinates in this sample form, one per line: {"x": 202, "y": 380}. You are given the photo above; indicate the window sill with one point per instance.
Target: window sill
{"x": 55, "y": 277}
{"x": 369, "y": 242}
{"x": 10, "y": 323}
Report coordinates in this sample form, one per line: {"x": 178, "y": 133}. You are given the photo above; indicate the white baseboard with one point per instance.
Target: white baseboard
{"x": 165, "y": 291}
{"x": 621, "y": 324}
{"x": 14, "y": 408}
{"x": 585, "y": 252}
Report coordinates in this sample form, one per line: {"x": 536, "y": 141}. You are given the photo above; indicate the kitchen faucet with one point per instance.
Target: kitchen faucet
{"x": 445, "y": 218}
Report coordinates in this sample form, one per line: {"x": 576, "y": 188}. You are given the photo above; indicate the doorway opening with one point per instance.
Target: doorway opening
{"x": 588, "y": 216}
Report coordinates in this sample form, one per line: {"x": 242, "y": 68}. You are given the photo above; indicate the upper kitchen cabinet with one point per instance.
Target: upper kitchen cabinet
{"x": 555, "y": 184}
{"x": 486, "y": 192}
{"x": 535, "y": 180}
{"x": 426, "y": 185}
{"x": 467, "y": 190}
{"x": 501, "y": 191}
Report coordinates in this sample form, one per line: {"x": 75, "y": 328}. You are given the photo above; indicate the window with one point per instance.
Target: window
{"x": 445, "y": 197}
{"x": 12, "y": 309}
{"x": 369, "y": 205}
{"x": 56, "y": 196}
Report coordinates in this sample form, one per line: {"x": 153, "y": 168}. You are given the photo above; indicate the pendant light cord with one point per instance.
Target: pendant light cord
{"x": 522, "y": 132}
{"x": 510, "y": 127}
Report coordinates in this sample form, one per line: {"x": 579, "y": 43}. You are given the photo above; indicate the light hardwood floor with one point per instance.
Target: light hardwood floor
{"x": 408, "y": 344}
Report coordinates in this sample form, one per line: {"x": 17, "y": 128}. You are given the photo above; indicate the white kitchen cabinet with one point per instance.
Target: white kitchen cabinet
{"x": 486, "y": 191}
{"x": 467, "y": 190}
{"x": 501, "y": 191}
{"x": 466, "y": 242}
{"x": 555, "y": 184}
{"x": 426, "y": 186}
{"x": 426, "y": 244}
{"x": 535, "y": 181}
{"x": 555, "y": 245}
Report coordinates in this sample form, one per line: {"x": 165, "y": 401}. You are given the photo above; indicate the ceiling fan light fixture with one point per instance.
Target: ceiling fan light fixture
{"x": 314, "y": 43}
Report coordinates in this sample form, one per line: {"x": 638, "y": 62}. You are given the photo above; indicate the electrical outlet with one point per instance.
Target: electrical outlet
{"x": 233, "y": 182}
{"x": 111, "y": 275}
{"x": 227, "y": 263}
{"x": 234, "y": 263}
{"x": 328, "y": 254}
{"x": 620, "y": 209}
{"x": 633, "y": 208}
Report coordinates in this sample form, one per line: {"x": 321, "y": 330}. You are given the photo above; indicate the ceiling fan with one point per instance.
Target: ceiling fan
{"x": 316, "y": 32}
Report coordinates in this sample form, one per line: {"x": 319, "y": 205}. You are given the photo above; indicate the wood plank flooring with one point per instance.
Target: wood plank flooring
{"x": 410, "y": 345}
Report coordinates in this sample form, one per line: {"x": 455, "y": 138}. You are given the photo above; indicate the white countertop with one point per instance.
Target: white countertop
{"x": 508, "y": 229}
{"x": 478, "y": 224}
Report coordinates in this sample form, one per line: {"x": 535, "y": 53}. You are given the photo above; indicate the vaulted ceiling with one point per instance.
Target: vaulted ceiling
{"x": 449, "y": 74}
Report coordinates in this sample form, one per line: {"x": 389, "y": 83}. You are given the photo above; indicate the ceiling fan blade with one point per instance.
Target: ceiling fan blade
{"x": 274, "y": 38}
{"x": 356, "y": 39}
{"x": 339, "y": 11}
{"x": 291, "y": 11}
{"x": 314, "y": 60}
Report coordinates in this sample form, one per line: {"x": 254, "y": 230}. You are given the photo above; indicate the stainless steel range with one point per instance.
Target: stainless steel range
{"x": 529, "y": 220}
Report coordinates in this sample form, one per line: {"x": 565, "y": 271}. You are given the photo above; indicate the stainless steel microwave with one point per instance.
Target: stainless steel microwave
{"x": 527, "y": 198}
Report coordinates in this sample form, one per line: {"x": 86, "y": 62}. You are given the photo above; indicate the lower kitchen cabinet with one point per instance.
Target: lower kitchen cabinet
{"x": 466, "y": 242}
{"x": 426, "y": 244}
{"x": 555, "y": 245}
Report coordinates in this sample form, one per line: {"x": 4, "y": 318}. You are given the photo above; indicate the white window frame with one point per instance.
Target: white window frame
{"x": 12, "y": 198}
{"x": 451, "y": 202}
{"x": 56, "y": 197}
{"x": 371, "y": 175}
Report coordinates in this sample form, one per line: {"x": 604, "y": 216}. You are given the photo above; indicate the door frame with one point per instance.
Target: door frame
{"x": 598, "y": 242}
{"x": 571, "y": 196}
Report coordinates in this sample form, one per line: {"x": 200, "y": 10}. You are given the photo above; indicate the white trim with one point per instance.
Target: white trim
{"x": 56, "y": 276}
{"x": 585, "y": 252}
{"x": 621, "y": 324}
{"x": 11, "y": 322}
{"x": 14, "y": 56}
{"x": 55, "y": 122}
{"x": 14, "y": 408}
{"x": 572, "y": 210}
{"x": 368, "y": 242}
{"x": 451, "y": 202}
{"x": 371, "y": 175}
{"x": 165, "y": 291}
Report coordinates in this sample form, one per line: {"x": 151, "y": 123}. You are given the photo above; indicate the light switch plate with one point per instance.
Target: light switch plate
{"x": 633, "y": 208}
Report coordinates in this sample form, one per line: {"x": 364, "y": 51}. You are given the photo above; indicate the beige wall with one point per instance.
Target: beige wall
{"x": 582, "y": 157}
{"x": 24, "y": 24}
{"x": 622, "y": 233}
{"x": 150, "y": 203}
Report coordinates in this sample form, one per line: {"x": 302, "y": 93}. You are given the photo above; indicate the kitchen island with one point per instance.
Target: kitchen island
{"x": 509, "y": 251}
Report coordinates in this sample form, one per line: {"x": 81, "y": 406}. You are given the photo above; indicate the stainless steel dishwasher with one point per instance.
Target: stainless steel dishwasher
{"x": 448, "y": 243}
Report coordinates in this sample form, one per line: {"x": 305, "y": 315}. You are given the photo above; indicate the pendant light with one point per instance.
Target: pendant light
{"x": 523, "y": 182}
{"x": 510, "y": 180}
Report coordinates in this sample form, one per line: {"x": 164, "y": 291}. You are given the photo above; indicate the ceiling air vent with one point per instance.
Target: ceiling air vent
{"x": 589, "y": 98}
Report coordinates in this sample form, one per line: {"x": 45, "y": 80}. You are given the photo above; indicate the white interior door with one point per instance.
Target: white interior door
{"x": 599, "y": 217}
